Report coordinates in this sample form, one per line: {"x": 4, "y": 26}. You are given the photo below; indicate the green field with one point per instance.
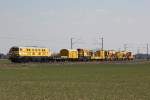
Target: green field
{"x": 74, "y": 81}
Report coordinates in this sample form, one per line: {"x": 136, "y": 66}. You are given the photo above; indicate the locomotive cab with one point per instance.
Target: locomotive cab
{"x": 13, "y": 53}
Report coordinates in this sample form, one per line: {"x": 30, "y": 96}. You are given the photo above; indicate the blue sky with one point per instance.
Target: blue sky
{"x": 51, "y": 23}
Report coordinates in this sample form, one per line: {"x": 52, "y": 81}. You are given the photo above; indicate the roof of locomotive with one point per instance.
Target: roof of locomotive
{"x": 29, "y": 47}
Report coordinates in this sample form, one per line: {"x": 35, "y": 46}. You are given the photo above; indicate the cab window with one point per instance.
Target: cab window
{"x": 15, "y": 49}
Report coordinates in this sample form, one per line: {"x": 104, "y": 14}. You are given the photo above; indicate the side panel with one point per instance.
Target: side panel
{"x": 34, "y": 52}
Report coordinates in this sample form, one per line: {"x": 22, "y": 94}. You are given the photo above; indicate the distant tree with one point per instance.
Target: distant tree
{"x": 3, "y": 56}
{"x": 142, "y": 56}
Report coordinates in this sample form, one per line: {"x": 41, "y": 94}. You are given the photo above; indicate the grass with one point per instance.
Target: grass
{"x": 74, "y": 81}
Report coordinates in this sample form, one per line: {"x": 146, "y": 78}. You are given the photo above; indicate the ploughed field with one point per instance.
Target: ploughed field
{"x": 37, "y": 81}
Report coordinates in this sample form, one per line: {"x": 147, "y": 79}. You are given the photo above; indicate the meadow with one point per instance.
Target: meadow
{"x": 37, "y": 81}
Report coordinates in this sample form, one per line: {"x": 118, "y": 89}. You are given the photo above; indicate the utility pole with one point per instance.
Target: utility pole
{"x": 102, "y": 41}
{"x": 125, "y": 47}
{"x": 138, "y": 50}
{"x": 147, "y": 52}
{"x": 71, "y": 40}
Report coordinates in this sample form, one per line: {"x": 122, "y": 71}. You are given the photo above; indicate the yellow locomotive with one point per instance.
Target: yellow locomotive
{"x": 29, "y": 54}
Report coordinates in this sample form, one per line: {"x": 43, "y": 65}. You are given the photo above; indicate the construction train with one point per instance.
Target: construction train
{"x": 38, "y": 54}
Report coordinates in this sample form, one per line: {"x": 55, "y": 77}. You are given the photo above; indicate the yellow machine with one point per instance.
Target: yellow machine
{"x": 84, "y": 54}
{"x": 69, "y": 54}
{"x": 120, "y": 55}
{"x": 129, "y": 55}
{"x": 26, "y": 54}
{"x": 99, "y": 55}
{"x": 111, "y": 55}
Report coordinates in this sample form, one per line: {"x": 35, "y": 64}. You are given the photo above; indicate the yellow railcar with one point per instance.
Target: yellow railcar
{"x": 69, "y": 54}
{"x": 26, "y": 54}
